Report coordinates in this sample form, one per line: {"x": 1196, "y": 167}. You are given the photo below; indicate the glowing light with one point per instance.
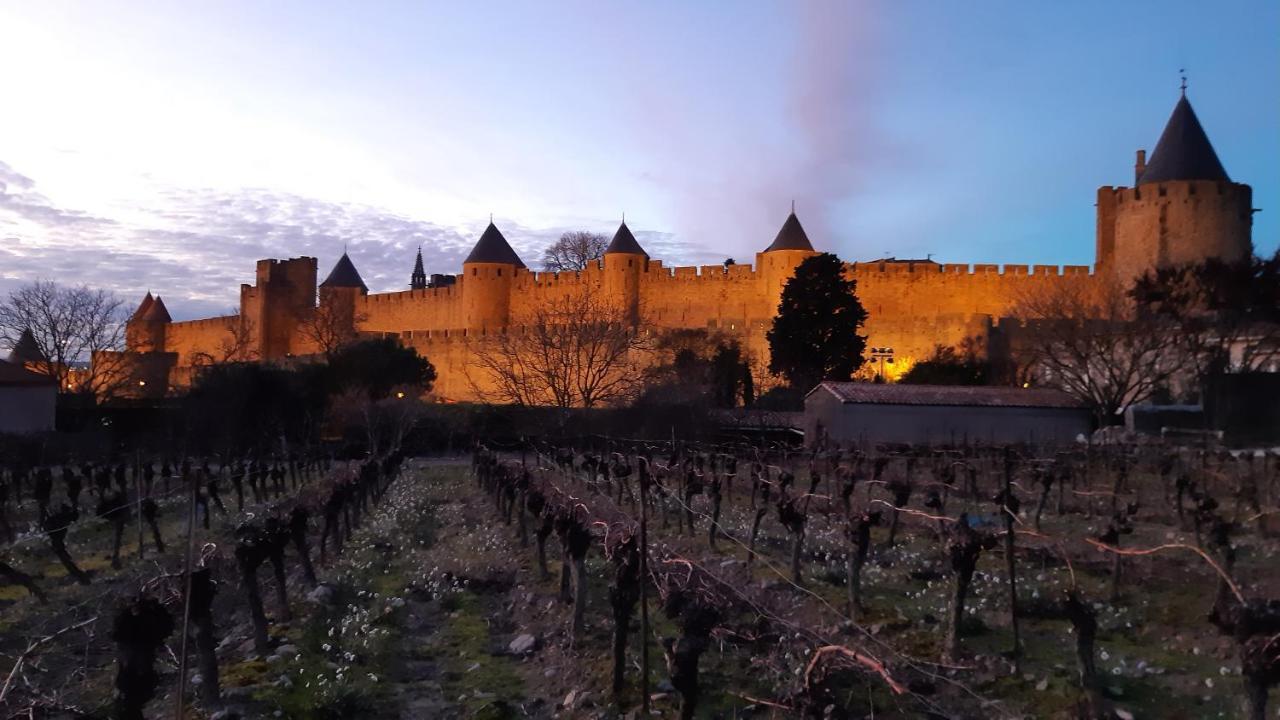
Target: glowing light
{"x": 142, "y": 383}
{"x": 400, "y": 395}
{"x": 1026, "y": 384}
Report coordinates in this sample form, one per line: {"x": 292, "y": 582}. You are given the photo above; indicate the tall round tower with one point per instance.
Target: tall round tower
{"x": 145, "y": 331}
{"x": 337, "y": 323}
{"x": 1183, "y": 208}
{"x": 624, "y": 260}
{"x": 778, "y": 261}
{"x": 487, "y": 275}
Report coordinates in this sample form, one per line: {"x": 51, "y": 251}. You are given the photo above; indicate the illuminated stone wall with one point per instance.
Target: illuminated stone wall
{"x": 912, "y": 306}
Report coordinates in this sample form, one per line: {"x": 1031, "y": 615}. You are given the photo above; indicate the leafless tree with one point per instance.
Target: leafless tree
{"x": 332, "y": 326}
{"x": 1085, "y": 339}
{"x": 577, "y": 351}
{"x": 573, "y": 251}
{"x": 69, "y": 325}
{"x": 236, "y": 346}
{"x": 385, "y": 422}
{"x": 1224, "y": 316}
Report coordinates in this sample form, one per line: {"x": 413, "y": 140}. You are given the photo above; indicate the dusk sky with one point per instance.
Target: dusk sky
{"x": 167, "y": 146}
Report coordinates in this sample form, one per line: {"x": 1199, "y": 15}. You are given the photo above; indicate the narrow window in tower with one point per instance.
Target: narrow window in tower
{"x": 474, "y": 272}
{"x": 499, "y": 272}
{"x": 1191, "y": 189}
{"x": 1163, "y": 191}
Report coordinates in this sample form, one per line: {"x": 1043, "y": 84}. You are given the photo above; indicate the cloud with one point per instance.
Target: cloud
{"x": 19, "y": 199}
{"x": 733, "y": 189}
{"x": 196, "y": 246}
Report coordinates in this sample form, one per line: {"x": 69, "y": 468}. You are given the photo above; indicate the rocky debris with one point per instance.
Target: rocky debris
{"x": 576, "y": 700}
{"x": 524, "y": 644}
{"x": 322, "y": 595}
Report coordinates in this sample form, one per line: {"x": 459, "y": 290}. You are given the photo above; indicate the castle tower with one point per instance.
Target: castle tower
{"x": 338, "y": 295}
{"x": 1183, "y": 207}
{"x": 624, "y": 260}
{"x": 284, "y": 293}
{"x": 26, "y": 352}
{"x": 145, "y": 329}
{"x": 418, "y": 280}
{"x": 486, "y": 282}
{"x": 778, "y": 261}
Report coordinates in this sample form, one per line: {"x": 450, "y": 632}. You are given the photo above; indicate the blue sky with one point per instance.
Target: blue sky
{"x": 168, "y": 146}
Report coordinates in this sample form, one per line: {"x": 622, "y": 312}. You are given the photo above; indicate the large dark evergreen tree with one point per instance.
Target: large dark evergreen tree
{"x": 815, "y": 335}
{"x": 379, "y": 366}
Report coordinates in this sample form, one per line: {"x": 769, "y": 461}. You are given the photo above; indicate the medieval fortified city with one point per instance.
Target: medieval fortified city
{"x": 335, "y": 383}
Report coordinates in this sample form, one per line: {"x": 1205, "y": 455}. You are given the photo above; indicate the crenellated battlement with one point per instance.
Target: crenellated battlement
{"x": 214, "y": 323}
{"x": 446, "y": 293}
{"x": 1175, "y": 190}
{"x": 932, "y": 269}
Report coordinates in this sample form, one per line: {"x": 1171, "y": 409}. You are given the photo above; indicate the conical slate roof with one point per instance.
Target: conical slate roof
{"x": 1184, "y": 151}
{"x": 156, "y": 312}
{"x": 624, "y": 242}
{"x": 143, "y": 306}
{"x": 791, "y": 236}
{"x": 344, "y": 275}
{"x": 493, "y": 248}
{"x": 26, "y": 350}
{"x": 418, "y": 269}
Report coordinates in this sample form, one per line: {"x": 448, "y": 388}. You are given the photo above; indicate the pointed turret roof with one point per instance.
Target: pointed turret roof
{"x": 624, "y": 242}
{"x": 156, "y": 312}
{"x": 344, "y": 275}
{"x": 143, "y": 306}
{"x": 1184, "y": 151}
{"x": 418, "y": 278}
{"x": 26, "y": 350}
{"x": 493, "y": 248}
{"x": 791, "y": 236}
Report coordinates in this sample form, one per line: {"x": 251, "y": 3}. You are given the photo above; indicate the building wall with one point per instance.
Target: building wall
{"x": 27, "y": 408}
{"x": 826, "y": 416}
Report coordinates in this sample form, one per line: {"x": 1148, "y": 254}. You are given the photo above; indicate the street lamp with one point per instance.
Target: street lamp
{"x": 883, "y": 354}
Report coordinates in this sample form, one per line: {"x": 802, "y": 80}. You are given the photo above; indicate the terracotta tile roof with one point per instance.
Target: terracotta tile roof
{"x": 956, "y": 395}
{"x": 11, "y": 375}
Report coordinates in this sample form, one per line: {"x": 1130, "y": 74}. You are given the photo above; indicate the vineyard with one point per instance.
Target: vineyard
{"x": 600, "y": 578}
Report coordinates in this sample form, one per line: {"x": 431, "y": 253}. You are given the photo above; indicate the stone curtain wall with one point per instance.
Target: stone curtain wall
{"x": 912, "y": 307}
